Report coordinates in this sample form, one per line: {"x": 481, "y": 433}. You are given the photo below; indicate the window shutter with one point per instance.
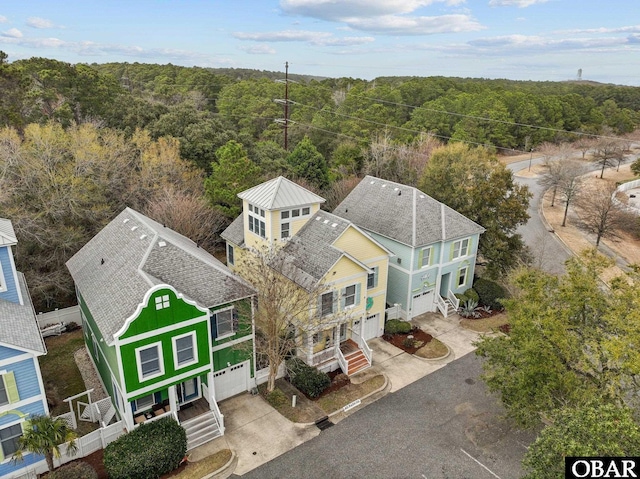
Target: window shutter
{"x": 335, "y": 301}
{"x": 375, "y": 276}
{"x": 451, "y": 251}
{"x": 133, "y": 406}
{"x": 343, "y": 297}
{"x": 420, "y": 257}
{"x": 358, "y": 285}
{"x": 234, "y": 319}
{"x": 469, "y": 244}
{"x": 157, "y": 397}
{"x": 214, "y": 326}
{"x": 11, "y": 386}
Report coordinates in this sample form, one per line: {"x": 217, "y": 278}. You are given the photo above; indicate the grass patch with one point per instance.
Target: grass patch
{"x": 343, "y": 396}
{"x": 485, "y": 325}
{"x": 306, "y": 411}
{"x": 60, "y": 373}
{"x": 199, "y": 469}
{"x": 434, "y": 349}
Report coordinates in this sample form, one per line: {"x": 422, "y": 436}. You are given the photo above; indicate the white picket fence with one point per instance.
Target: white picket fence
{"x": 86, "y": 445}
{"x": 58, "y": 316}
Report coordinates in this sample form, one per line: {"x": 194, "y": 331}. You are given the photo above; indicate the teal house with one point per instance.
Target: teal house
{"x": 22, "y": 391}
{"x": 169, "y": 328}
{"x": 434, "y": 246}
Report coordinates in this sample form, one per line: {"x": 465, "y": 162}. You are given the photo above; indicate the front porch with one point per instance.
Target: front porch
{"x": 350, "y": 352}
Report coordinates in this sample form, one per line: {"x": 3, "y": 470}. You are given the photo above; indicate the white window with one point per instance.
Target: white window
{"x": 256, "y": 225}
{"x": 284, "y": 215}
{"x": 9, "y": 439}
{"x": 185, "y": 350}
{"x": 425, "y": 257}
{"x": 460, "y": 248}
{"x": 327, "y": 303}
{"x": 150, "y": 361}
{"x": 145, "y": 402}
{"x": 224, "y": 323}
{"x": 462, "y": 276}
{"x": 350, "y": 296}
{"x": 295, "y": 213}
{"x": 372, "y": 278}
{"x": 230, "y": 258}
{"x": 284, "y": 230}
{"x": 162, "y": 301}
{"x": 305, "y": 211}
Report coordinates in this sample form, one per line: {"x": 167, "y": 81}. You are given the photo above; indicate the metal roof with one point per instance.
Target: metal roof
{"x": 279, "y": 193}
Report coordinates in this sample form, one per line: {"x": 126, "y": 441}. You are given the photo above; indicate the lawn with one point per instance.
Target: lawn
{"x": 485, "y": 325}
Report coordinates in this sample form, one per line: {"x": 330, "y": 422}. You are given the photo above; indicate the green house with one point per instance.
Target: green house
{"x": 169, "y": 328}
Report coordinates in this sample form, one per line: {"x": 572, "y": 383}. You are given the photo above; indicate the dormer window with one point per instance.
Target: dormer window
{"x": 257, "y": 225}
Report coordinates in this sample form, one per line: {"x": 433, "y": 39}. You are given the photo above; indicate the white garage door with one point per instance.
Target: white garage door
{"x": 231, "y": 381}
{"x": 422, "y": 303}
{"x": 371, "y": 326}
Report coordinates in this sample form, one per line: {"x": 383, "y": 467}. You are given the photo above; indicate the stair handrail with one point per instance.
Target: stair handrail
{"x": 442, "y": 306}
{"x": 217, "y": 414}
{"x": 454, "y": 300}
{"x": 362, "y": 344}
{"x": 342, "y": 361}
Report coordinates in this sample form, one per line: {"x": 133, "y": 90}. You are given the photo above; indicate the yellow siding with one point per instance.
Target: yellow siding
{"x": 358, "y": 245}
{"x": 344, "y": 268}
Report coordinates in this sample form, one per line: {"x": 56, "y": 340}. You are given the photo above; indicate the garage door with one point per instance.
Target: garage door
{"x": 422, "y": 303}
{"x": 231, "y": 381}
{"x": 371, "y": 326}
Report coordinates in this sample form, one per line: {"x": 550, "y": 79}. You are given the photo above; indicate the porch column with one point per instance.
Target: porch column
{"x": 211, "y": 388}
{"x": 173, "y": 399}
{"x": 128, "y": 416}
{"x": 336, "y": 335}
{"x": 309, "y": 348}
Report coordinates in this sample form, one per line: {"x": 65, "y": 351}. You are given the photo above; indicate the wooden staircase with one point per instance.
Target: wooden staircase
{"x": 356, "y": 360}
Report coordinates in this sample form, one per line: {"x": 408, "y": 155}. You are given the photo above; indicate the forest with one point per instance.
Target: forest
{"x": 80, "y": 142}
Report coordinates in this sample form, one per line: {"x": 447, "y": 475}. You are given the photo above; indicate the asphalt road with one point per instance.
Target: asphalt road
{"x": 445, "y": 425}
{"x": 549, "y": 254}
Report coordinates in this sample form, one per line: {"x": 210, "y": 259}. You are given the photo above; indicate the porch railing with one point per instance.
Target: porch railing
{"x": 442, "y": 306}
{"x": 362, "y": 344}
{"x": 322, "y": 356}
{"x": 454, "y": 301}
{"x": 342, "y": 361}
{"x": 213, "y": 405}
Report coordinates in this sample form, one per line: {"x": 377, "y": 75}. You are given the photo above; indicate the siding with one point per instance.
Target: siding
{"x": 36, "y": 407}
{"x": 11, "y": 294}
{"x": 398, "y": 283}
{"x": 10, "y": 467}
{"x": 7, "y": 353}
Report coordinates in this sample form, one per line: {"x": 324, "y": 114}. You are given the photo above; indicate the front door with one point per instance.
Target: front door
{"x": 444, "y": 285}
{"x": 188, "y": 391}
{"x": 357, "y": 327}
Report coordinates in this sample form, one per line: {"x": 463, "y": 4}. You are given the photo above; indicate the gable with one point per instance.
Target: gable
{"x": 8, "y": 352}
{"x": 359, "y": 245}
{"x": 344, "y": 268}
{"x": 162, "y": 307}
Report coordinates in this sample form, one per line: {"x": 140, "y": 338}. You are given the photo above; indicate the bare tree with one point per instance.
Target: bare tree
{"x": 584, "y": 143}
{"x": 189, "y": 214}
{"x": 605, "y": 154}
{"x": 571, "y": 183}
{"x": 288, "y": 311}
{"x": 599, "y": 213}
{"x": 548, "y": 151}
{"x": 552, "y": 177}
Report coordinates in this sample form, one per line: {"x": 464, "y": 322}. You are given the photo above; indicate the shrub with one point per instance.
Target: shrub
{"x": 74, "y": 470}
{"x": 147, "y": 452}
{"x": 489, "y": 292}
{"x": 396, "y": 326}
{"x": 277, "y": 398}
{"x": 471, "y": 294}
{"x": 469, "y": 309}
{"x": 307, "y": 378}
{"x": 409, "y": 342}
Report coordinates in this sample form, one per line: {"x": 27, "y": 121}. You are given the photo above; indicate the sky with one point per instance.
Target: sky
{"x": 542, "y": 40}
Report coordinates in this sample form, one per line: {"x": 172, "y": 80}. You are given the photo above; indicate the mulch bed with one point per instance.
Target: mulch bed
{"x": 95, "y": 460}
{"x": 338, "y": 381}
{"x": 420, "y": 338}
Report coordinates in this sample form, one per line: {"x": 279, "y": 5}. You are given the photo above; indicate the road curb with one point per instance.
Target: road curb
{"x": 226, "y": 470}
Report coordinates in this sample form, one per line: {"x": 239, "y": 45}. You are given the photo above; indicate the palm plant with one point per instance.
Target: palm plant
{"x": 43, "y": 435}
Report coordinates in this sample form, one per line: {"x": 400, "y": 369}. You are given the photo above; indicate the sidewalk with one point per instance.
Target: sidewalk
{"x": 257, "y": 433}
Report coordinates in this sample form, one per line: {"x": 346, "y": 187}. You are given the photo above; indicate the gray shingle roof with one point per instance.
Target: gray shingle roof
{"x": 18, "y": 325}
{"x": 115, "y": 269}
{"x": 403, "y": 213}
{"x": 279, "y": 193}
{"x": 234, "y": 233}
{"x": 310, "y": 253}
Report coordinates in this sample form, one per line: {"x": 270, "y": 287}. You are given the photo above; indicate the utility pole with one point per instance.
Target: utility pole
{"x": 285, "y": 102}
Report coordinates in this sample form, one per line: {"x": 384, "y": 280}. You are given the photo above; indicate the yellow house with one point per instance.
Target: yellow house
{"x": 351, "y": 266}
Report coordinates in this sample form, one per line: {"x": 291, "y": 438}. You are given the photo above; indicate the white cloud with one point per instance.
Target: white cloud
{"x": 3, "y": 19}
{"x": 515, "y": 3}
{"x": 12, "y": 33}
{"x": 627, "y": 29}
{"x": 311, "y": 37}
{"x": 336, "y": 11}
{"x": 401, "y": 25}
{"x": 37, "y": 22}
{"x": 258, "y": 50}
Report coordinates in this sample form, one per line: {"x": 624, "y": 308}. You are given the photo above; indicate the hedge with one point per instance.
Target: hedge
{"x": 489, "y": 292}
{"x": 306, "y": 378}
{"x": 74, "y": 470}
{"x": 396, "y": 326}
{"x": 151, "y": 450}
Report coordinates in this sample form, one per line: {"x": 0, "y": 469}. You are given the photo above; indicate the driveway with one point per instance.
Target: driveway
{"x": 444, "y": 425}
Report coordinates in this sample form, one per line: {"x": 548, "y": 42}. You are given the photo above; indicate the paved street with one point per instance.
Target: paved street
{"x": 444, "y": 425}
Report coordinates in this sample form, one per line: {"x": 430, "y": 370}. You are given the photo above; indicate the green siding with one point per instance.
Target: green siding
{"x": 234, "y": 355}
{"x": 245, "y": 326}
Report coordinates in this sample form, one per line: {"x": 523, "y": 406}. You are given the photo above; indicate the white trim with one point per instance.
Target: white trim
{"x": 399, "y": 267}
{"x": 466, "y": 273}
{"x": 430, "y": 249}
{"x": 15, "y": 276}
{"x": 145, "y": 302}
{"x": 15, "y": 359}
{"x": 168, "y": 382}
{"x": 231, "y": 343}
{"x": 222, "y": 310}
{"x": 194, "y": 347}
{"x": 20, "y": 421}
{"x": 3, "y": 281}
{"x": 141, "y": 377}
{"x": 160, "y": 331}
